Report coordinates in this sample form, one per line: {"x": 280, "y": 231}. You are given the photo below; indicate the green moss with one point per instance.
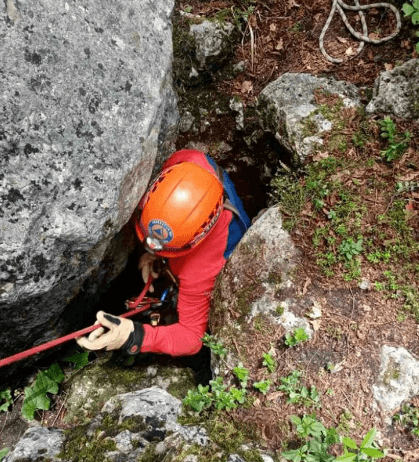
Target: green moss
{"x": 78, "y": 447}
{"x": 150, "y": 455}
{"x": 280, "y": 310}
{"x": 391, "y": 373}
{"x": 244, "y": 298}
{"x": 274, "y": 277}
{"x": 180, "y": 388}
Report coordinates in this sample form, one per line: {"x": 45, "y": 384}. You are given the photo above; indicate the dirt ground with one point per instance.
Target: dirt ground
{"x": 283, "y": 36}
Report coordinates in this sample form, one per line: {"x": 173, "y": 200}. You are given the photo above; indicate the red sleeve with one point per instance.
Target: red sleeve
{"x": 196, "y": 272}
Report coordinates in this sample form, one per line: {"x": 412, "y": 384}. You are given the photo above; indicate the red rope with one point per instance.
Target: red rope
{"x": 80, "y": 333}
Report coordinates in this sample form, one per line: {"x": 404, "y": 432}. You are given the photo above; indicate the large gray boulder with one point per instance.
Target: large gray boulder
{"x": 87, "y": 107}
{"x": 397, "y": 91}
{"x": 287, "y": 109}
{"x": 257, "y": 280}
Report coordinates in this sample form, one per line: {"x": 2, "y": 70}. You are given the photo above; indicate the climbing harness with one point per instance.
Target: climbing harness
{"x": 339, "y": 5}
{"x": 139, "y": 305}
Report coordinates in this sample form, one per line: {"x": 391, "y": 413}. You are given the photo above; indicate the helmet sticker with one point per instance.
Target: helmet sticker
{"x": 160, "y": 230}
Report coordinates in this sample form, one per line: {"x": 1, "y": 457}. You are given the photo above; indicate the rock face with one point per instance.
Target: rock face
{"x": 87, "y": 105}
{"x": 287, "y": 104}
{"x": 255, "y": 281}
{"x": 397, "y": 91}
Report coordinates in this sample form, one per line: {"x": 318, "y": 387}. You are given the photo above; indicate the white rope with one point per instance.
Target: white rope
{"x": 339, "y": 5}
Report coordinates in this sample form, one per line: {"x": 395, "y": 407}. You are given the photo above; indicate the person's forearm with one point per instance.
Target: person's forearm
{"x": 174, "y": 340}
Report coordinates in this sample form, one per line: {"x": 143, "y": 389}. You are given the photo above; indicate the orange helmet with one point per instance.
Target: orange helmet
{"x": 179, "y": 209}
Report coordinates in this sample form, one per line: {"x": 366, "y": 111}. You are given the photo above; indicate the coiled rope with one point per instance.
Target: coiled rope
{"x": 339, "y": 5}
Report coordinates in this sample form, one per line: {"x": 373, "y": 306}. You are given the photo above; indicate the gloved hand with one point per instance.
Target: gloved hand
{"x": 120, "y": 330}
{"x": 146, "y": 266}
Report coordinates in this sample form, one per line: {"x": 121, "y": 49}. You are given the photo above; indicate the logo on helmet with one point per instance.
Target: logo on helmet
{"x": 160, "y": 230}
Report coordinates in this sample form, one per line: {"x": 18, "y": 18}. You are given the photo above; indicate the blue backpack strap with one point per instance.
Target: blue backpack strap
{"x": 240, "y": 222}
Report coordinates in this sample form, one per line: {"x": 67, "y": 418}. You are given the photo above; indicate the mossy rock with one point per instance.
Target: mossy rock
{"x": 92, "y": 387}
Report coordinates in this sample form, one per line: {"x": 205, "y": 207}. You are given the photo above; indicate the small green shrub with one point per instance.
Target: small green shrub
{"x": 296, "y": 338}
{"x": 269, "y": 362}
{"x": 5, "y": 396}
{"x": 216, "y": 347}
{"x": 412, "y": 11}
{"x": 397, "y": 144}
{"x": 263, "y": 386}
{"x": 366, "y": 451}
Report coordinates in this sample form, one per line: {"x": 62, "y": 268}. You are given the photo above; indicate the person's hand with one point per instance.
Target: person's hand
{"x": 146, "y": 266}
{"x": 116, "y": 337}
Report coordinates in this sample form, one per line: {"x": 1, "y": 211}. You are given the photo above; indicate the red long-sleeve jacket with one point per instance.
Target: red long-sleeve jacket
{"x": 196, "y": 273}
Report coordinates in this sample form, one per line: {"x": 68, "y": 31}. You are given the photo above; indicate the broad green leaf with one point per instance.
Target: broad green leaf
{"x": 369, "y": 438}
{"x": 349, "y": 442}
{"x": 317, "y": 429}
{"x": 408, "y": 9}
{"x": 55, "y": 374}
{"x": 80, "y": 360}
{"x": 348, "y": 457}
{"x": 415, "y": 18}
{"x": 3, "y": 453}
{"x": 372, "y": 452}
{"x": 416, "y": 4}
{"x": 7, "y": 397}
{"x": 36, "y": 395}
{"x": 295, "y": 420}
{"x": 292, "y": 455}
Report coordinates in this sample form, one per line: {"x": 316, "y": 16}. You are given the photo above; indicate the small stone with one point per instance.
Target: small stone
{"x": 364, "y": 285}
{"x": 186, "y": 122}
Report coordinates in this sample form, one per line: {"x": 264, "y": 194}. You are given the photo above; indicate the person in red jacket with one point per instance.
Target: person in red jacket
{"x": 192, "y": 217}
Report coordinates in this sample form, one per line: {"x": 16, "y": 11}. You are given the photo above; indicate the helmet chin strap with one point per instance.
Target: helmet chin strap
{"x": 152, "y": 244}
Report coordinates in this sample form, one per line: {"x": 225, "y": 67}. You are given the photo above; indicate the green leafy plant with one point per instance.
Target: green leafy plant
{"x": 198, "y": 399}
{"x": 216, "y": 347}
{"x": 80, "y": 360}
{"x": 412, "y": 11}
{"x": 365, "y": 449}
{"x": 269, "y": 362}
{"x": 317, "y": 440}
{"x": 36, "y": 395}
{"x": 3, "y": 453}
{"x": 219, "y": 397}
{"x": 5, "y": 396}
{"x": 349, "y": 248}
{"x": 263, "y": 386}
{"x": 242, "y": 374}
{"x": 409, "y": 418}
{"x": 397, "y": 144}
{"x": 298, "y": 393}
{"x": 296, "y": 338}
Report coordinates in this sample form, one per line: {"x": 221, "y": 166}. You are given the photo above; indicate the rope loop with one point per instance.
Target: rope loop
{"x": 340, "y": 6}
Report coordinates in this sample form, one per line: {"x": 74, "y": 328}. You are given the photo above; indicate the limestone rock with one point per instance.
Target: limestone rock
{"x": 212, "y": 41}
{"x": 398, "y": 378}
{"x": 254, "y": 282}
{"x": 36, "y": 444}
{"x": 87, "y": 107}
{"x": 286, "y": 105}
{"x": 397, "y": 91}
{"x": 93, "y": 386}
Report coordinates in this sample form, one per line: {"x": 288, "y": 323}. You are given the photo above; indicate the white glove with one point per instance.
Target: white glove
{"x": 112, "y": 339}
{"x": 146, "y": 267}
